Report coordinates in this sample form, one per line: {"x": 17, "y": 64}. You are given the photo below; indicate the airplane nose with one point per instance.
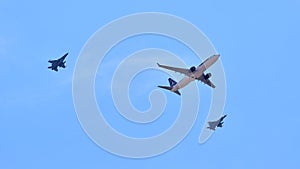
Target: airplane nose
{"x": 216, "y": 57}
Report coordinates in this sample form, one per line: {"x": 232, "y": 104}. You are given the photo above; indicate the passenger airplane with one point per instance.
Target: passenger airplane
{"x": 190, "y": 75}
{"x": 218, "y": 123}
{"x": 58, "y": 63}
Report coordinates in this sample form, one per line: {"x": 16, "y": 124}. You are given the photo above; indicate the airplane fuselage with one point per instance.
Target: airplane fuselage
{"x": 182, "y": 83}
{"x": 196, "y": 74}
{"x": 58, "y": 63}
{"x": 206, "y": 64}
{"x": 214, "y": 124}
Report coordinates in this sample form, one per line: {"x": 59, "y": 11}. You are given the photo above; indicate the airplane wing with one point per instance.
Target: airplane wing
{"x": 179, "y": 70}
{"x": 62, "y": 64}
{"x": 209, "y": 83}
{"x": 51, "y": 61}
{"x": 206, "y": 81}
{"x": 213, "y": 125}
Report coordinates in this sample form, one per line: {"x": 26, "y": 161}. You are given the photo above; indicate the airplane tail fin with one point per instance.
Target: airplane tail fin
{"x": 52, "y": 68}
{"x": 172, "y": 83}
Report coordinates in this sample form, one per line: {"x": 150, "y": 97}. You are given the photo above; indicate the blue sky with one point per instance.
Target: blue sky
{"x": 258, "y": 43}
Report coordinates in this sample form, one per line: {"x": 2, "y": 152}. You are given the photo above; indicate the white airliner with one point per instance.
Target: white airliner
{"x": 190, "y": 75}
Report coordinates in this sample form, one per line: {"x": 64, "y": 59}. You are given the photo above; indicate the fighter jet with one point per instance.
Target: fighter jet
{"x": 58, "y": 63}
{"x": 190, "y": 75}
{"x": 218, "y": 123}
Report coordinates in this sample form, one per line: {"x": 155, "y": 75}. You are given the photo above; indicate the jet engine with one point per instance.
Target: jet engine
{"x": 207, "y": 76}
{"x": 193, "y": 69}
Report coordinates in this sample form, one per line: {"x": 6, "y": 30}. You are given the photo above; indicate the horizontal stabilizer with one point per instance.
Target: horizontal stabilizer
{"x": 170, "y": 89}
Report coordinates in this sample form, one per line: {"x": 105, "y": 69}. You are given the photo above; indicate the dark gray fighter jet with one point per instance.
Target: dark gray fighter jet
{"x": 218, "y": 123}
{"x": 58, "y": 63}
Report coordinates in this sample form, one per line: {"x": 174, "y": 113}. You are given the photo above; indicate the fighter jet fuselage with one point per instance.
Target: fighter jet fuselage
{"x": 58, "y": 63}
{"x": 214, "y": 124}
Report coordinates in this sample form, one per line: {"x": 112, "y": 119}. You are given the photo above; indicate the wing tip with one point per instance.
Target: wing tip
{"x": 177, "y": 92}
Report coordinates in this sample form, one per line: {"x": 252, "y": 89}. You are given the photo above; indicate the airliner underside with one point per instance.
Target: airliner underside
{"x": 190, "y": 75}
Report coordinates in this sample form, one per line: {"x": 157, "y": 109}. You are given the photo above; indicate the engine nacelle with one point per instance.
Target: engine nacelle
{"x": 207, "y": 76}
{"x": 193, "y": 69}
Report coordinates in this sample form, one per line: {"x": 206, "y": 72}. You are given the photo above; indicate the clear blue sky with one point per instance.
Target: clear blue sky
{"x": 258, "y": 43}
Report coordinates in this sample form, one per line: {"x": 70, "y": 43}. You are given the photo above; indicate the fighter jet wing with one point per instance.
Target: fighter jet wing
{"x": 55, "y": 69}
{"x": 62, "y": 64}
{"x": 212, "y": 125}
{"x": 179, "y": 70}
